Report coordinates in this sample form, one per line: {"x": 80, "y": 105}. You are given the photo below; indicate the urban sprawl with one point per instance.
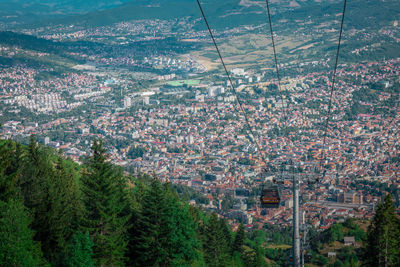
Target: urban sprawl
{"x": 186, "y": 127}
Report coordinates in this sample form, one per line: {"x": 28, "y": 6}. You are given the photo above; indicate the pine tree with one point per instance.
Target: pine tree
{"x": 239, "y": 240}
{"x": 226, "y": 232}
{"x": 106, "y": 203}
{"x": 164, "y": 232}
{"x": 136, "y": 195}
{"x": 149, "y": 243}
{"x": 260, "y": 258}
{"x": 79, "y": 251}
{"x": 50, "y": 190}
{"x": 182, "y": 237}
{"x": 66, "y": 208}
{"x": 10, "y": 168}
{"x": 237, "y": 260}
{"x": 383, "y": 237}
{"x": 17, "y": 247}
{"x": 34, "y": 185}
{"x": 215, "y": 247}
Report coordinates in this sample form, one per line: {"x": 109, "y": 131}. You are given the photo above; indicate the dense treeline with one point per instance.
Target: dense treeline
{"x": 54, "y": 212}
{"x": 378, "y": 246}
{"x": 383, "y": 237}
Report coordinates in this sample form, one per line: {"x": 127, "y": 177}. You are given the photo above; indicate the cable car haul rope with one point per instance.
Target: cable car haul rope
{"x": 332, "y": 89}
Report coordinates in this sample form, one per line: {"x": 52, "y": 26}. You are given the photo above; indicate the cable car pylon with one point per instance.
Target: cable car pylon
{"x": 296, "y": 234}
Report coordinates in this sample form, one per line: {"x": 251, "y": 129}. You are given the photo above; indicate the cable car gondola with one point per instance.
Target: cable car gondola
{"x": 270, "y": 197}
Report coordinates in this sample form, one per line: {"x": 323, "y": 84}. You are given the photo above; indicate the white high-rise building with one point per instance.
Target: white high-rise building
{"x": 127, "y": 102}
{"x": 215, "y": 90}
{"x": 212, "y": 91}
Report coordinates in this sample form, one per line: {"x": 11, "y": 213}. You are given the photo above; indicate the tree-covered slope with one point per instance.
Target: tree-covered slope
{"x": 54, "y": 211}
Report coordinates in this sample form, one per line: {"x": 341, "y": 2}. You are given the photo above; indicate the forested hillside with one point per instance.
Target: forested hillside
{"x": 56, "y": 212}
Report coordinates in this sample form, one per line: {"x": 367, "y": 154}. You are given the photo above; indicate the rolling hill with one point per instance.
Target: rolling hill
{"x": 221, "y": 14}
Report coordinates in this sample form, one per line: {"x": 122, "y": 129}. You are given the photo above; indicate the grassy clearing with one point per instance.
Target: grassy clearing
{"x": 276, "y": 246}
{"x": 249, "y": 50}
{"x": 184, "y": 82}
{"x": 332, "y": 247}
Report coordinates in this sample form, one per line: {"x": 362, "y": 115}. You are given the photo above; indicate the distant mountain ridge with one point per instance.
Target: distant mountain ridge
{"x": 221, "y": 14}
{"x": 17, "y": 12}
{"x": 93, "y": 13}
{"x": 229, "y": 13}
{"x": 60, "y": 7}
{"x": 232, "y": 13}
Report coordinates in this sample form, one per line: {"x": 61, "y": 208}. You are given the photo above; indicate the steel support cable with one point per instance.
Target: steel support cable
{"x": 276, "y": 64}
{"x": 252, "y": 137}
{"x": 332, "y": 88}
{"x": 284, "y": 110}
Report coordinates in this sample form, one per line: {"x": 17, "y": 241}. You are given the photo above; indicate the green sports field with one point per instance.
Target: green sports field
{"x": 183, "y": 82}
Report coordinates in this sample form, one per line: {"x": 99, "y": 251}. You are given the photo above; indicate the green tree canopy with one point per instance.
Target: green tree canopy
{"x": 215, "y": 244}
{"x": 17, "y": 247}
{"x": 164, "y": 231}
{"x": 383, "y": 237}
{"x": 10, "y": 168}
{"x": 239, "y": 239}
{"x": 106, "y": 202}
{"x": 79, "y": 251}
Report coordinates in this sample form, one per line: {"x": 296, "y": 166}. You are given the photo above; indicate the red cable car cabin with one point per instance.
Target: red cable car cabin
{"x": 270, "y": 197}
